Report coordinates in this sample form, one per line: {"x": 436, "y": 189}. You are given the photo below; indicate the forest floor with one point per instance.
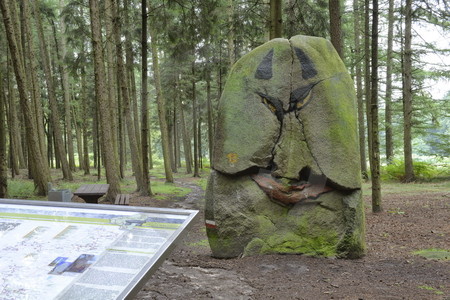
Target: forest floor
{"x": 415, "y": 217}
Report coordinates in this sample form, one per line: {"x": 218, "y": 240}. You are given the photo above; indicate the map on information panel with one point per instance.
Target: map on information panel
{"x": 81, "y": 251}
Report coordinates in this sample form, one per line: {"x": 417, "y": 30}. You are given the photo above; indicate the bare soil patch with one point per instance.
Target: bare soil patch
{"x": 390, "y": 270}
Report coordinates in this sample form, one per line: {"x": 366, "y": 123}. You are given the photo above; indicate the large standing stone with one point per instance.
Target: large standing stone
{"x": 286, "y": 175}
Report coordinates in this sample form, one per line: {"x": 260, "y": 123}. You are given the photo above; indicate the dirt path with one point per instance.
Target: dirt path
{"x": 410, "y": 222}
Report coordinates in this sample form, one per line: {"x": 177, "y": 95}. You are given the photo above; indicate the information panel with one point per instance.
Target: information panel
{"x": 53, "y": 250}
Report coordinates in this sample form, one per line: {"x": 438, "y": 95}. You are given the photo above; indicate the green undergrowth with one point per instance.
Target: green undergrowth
{"x": 423, "y": 171}
{"x": 22, "y": 189}
{"x": 201, "y": 243}
{"x": 163, "y": 190}
{"x": 434, "y": 254}
{"x": 431, "y": 289}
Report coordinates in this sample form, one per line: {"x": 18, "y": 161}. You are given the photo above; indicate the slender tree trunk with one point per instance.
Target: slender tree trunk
{"x": 146, "y": 190}
{"x": 173, "y": 139}
{"x": 230, "y": 36}
{"x": 150, "y": 155}
{"x": 84, "y": 124}
{"x": 112, "y": 175}
{"x": 122, "y": 139}
{"x": 41, "y": 172}
{"x": 367, "y": 89}
{"x": 276, "y": 21}
{"x": 78, "y": 137}
{"x": 111, "y": 72}
{"x": 177, "y": 136}
{"x": 33, "y": 80}
{"x": 375, "y": 149}
{"x": 199, "y": 138}
{"x": 291, "y": 27}
{"x": 210, "y": 118}
{"x": 161, "y": 109}
{"x": 3, "y": 154}
{"x": 194, "y": 121}
{"x": 334, "y": 8}
{"x": 359, "y": 88}
{"x": 126, "y": 102}
{"x": 59, "y": 144}
{"x": 389, "y": 62}
{"x": 129, "y": 54}
{"x": 16, "y": 153}
{"x": 407, "y": 95}
{"x": 171, "y": 130}
{"x": 66, "y": 89}
{"x": 186, "y": 141}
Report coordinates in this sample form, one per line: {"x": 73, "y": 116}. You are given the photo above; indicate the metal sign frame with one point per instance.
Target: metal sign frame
{"x": 149, "y": 221}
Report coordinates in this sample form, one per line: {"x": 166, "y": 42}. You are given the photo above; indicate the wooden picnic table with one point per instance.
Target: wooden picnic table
{"x": 91, "y": 192}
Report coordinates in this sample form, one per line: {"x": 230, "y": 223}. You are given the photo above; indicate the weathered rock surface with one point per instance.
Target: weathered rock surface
{"x": 287, "y": 174}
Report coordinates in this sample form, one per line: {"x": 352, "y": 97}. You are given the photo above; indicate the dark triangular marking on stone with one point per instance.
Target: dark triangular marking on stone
{"x": 264, "y": 70}
{"x": 308, "y": 69}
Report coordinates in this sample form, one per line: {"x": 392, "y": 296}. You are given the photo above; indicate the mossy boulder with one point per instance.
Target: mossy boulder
{"x": 286, "y": 175}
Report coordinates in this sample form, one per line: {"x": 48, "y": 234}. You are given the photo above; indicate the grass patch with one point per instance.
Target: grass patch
{"x": 396, "y": 212}
{"x": 202, "y": 182}
{"x": 430, "y": 288}
{"x": 201, "y": 243}
{"x": 437, "y": 254}
{"x": 389, "y": 187}
{"x": 22, "y": 189}
{"x": 169, "y": 188}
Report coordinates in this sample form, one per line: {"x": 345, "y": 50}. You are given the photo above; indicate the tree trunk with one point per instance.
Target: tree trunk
{"x": 66, "y": 90}
{"x": 112, "y": 175}
{"x": 334, "y": 8}
{"x": 41, "y": 172}
{"x": 111, "y": 72}
{"x": 367, "y": 89}
{"x": 129, "y": 54}
{"x": 389, "y": 63}
{"x": 375, "y": 149}
{"x": 276, "y": 20}
{"x": 177, "y": 137}
{"x": 78, "y": 137}
{"x": 55, "y": 119}
{"x": 210, "y": 118}
{"x": 3, "y": 154}
{"x": 16, "y": 154}
{"x": 199, "y": 138}
{"x": 186, "y": 141}
{"x": 126, "y": 102}
{"x": 194, "y": 121}
{"x": 161, "y": 109}
{"x": 291, "y": 22}
{"x": 230, "y": 36}
{"x": 33, "y": 80}
{"x": 144, "y": 102}
{"x": 359, "y": 88}
{"x": 84, "y": 124}
{"x": 407, "y": 95}
{"x": 174, "y": 140}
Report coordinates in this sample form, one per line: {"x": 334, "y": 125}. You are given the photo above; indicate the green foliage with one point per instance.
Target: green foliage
{"x": 424, "y": 171}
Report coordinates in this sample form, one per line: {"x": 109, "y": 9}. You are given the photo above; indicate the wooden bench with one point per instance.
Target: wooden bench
{"x": 122, "y": 199}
